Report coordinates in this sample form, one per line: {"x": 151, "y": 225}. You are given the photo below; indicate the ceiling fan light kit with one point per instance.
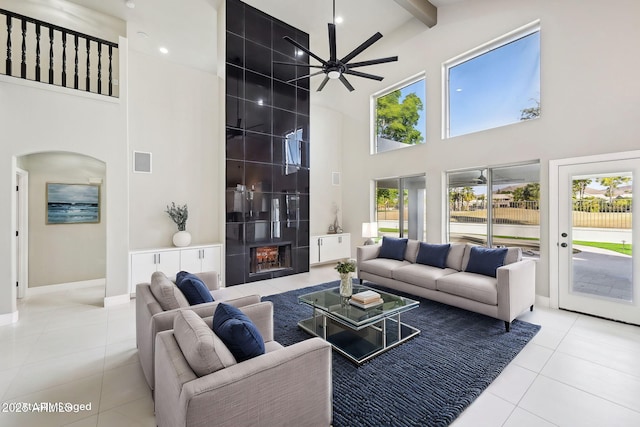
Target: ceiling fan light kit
{"x": 334, "y": 68}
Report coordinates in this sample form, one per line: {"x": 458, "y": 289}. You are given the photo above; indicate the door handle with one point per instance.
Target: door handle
{"x": 564, "y": 245}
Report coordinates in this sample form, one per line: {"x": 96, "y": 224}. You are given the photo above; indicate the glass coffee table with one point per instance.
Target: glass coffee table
{"x": 358, "y": 334}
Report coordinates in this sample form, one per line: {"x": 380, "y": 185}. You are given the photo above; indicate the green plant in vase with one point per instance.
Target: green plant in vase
{"x": 346, "y": 269}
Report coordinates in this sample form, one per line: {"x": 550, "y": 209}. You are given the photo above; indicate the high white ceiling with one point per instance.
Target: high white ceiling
{"x": 187, "y": 27}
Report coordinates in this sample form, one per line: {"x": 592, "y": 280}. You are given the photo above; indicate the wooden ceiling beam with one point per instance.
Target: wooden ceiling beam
{"x": 426, "y": 12}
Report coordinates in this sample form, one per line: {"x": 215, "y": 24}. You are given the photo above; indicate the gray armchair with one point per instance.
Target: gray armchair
{"x": 286, "y": 386}
{"x": 152, "y": 318}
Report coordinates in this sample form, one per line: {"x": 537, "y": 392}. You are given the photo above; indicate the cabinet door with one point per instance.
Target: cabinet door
{"x": 345, "y": 246}
{"x": 314, "y": 250}
{"x": 190, "y": 260}
{"x": 212, "y": 259}
{"x": 143, "y": 265}
{"x": 169, "y": 263}
{"x": 329, "y": 248}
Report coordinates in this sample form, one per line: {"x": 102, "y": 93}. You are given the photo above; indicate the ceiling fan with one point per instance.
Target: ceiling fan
{"x": 481, "y": 179}
{"x": 335, "y": 68}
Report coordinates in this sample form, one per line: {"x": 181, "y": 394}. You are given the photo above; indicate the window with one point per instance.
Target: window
{"x": 401, "y": 206}
{"x": 399, "y": 116}
{"x": 509, "y": 217}
{"x": 495, "y": 85}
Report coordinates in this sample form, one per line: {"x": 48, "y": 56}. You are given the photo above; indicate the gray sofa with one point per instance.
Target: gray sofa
{"x": 156, "y": 314}
{"x": 503, "y": 297}
{"x": 199, "y": 382}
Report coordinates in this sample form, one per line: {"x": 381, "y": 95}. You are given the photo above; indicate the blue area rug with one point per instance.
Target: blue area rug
{"x": 426, "y": 381}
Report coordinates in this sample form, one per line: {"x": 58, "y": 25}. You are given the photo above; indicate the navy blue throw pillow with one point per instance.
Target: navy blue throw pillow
{"x": 486, "y": 260}
{"x": 393, "y": 248}
{"x": 194, "y": 289}
{"x": 434, "y": 255}
{"x": 237, "y": 332}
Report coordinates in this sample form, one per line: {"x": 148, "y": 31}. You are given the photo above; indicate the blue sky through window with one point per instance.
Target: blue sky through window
{"x": 490, "y": 90}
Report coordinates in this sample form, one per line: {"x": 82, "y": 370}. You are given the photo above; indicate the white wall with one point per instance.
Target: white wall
{"x": 326, "y": 158}
{"x": 36, "y": 117}
{"x": 173, "y": 114}
{"x": 589, "y": 93}
{"x": 63, "y": 253}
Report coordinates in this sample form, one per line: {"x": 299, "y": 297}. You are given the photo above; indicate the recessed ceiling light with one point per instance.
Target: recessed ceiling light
{"x": 130, "y": 4}
{"x": 143, "y": 35}
{"x": 164, "y": 50}
{"x": 339, "y": 20}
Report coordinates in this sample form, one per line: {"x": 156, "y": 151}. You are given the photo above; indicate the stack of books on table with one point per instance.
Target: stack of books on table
{"x": 366, "y": 299}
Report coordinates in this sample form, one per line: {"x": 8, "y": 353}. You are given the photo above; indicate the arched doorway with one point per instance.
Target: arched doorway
{"x": 66, "y": 244}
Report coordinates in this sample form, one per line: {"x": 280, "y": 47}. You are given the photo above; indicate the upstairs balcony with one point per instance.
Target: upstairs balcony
{"x": 50, "y": 54}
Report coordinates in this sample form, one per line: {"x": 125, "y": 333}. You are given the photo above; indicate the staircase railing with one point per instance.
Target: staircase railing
{"x": 88, "y": 54}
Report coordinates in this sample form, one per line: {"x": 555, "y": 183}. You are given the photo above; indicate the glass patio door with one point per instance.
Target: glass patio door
{"x": 597, "y": 236}
{"x": 400, "y": 207}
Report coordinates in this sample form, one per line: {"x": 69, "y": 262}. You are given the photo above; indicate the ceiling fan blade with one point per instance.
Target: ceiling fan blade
{"x": 372, "y": 62}
{"x": 323, "y": 84}
{"x": 304, "y": 77}
{"x": 332, "y": 43}
{"x": 357, "y": 51}
{"x": 365, "y": 75}
{"x": 305, "y": 50}
{"x": 296, "y": 64}
{"x": 346, "y": 83}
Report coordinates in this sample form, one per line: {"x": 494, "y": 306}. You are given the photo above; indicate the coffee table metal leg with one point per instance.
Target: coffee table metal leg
{"x": 384, "y": 333}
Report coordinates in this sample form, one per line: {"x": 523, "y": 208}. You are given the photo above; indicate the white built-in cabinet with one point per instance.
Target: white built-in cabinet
{"x": 329, "y": 247}
{"x": 194, "y": 259}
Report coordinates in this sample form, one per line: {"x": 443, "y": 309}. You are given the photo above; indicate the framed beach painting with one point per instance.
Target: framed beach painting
{"x": 73, "y": 203}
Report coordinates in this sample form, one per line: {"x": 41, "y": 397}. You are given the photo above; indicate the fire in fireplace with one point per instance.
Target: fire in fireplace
{"x": 270, "y": 257}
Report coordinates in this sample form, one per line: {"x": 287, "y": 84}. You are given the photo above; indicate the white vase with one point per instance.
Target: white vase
{"x": 346, "y": 285}
{"x": 182, "y": 238}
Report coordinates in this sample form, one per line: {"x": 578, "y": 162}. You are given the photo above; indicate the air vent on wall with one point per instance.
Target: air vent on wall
{"x": 335, "y": 178}
{"x": 141, "y": 162}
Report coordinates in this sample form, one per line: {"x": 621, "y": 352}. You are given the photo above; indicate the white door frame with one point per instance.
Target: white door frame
{"x": 554, "y": 212}
{"x": 22, "y": 226}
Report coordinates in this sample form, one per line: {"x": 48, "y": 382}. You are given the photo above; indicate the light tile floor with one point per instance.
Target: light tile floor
{"x": 578, "y": 370}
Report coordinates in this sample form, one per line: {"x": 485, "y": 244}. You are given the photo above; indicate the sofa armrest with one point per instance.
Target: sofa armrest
{"x": 290, "y": 386}
{"x": 516, "y": 288}
{"x": 210, "y": 278}
{"x": 364, "y": 253}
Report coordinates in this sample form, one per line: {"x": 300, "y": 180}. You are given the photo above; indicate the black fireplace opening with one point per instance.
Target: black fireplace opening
{"x": 270, "y": 257}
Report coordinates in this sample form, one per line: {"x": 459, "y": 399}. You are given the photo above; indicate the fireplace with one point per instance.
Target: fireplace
{"x": 270, "y": 257}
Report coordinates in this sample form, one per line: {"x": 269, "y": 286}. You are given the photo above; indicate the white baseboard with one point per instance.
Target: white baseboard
{"x": 116, "y": 300}
{"x": 47, "y": 289}
{"x": 543, "y": 301}
{"x": 9, "y": 318}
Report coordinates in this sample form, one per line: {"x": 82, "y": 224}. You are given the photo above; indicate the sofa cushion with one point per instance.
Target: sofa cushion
{"x": 193, "y": 288}
{"x": 513, "y": 255}
{"x": 381, "y": 266}
{"x": 411, "y": 252}
{"x": 454, "y": 258}
{"x": 238, "y": 332}
{"x": 476, "y": 287}
{"x": 166, "y": 292}
{"x": 485, "y": 260}
{"x": 433, "y": 255}
{"x": 421, "y": 275}
{"x": 203, "y": 350}
{"x": 393, "y": 248}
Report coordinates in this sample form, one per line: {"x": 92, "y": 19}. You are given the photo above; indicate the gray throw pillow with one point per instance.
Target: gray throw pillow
{"x": 203, "y": 350}
{"x": 166, "y": 292}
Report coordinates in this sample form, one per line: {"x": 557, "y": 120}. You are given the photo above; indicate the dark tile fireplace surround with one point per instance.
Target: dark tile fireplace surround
{"x": 267, "y": 148}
